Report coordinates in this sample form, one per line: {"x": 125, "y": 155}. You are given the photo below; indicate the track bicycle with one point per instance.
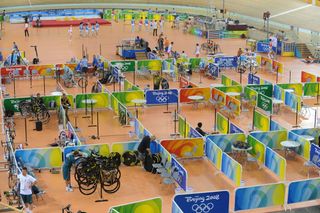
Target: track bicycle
{"x": 29, "y": 108}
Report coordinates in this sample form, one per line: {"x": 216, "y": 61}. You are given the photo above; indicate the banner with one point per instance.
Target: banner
{"x": 179, "y": 174}
{"x": 276, "y": 163}
{"x": 138, "y": 128}
{"x": 152, "y": 65}
{"x": 125, "y": 66}
{"x": 226, "y": 81}
{"x": 308, "y": 77}
{"x": 194, "y": 63}
{"x": 314, "y": 132}
{"x": 183, "y": 82}
{"x": 185, "y": 93}
{"x": 311, "y": 89}
{"x": 101, "y": 149}
{"x": 184, "y": 148}
{"x": 251, "y": 95}
{"x": 127, "y": 97}
{"x": 274, "y": 126}
{"x": 182, "y": 126}
{"x": 43, "y": 70}
{"x": 262, "y": 47}
{"x": 13, "y": 103}
{"x": 260, "y": 121}
{"x": 265, "y": 103}
{"x": 227, "y": 61}
{"x": 304, "y": 148}
{"x": 20, "y": 71}
{"x": 277, "y": 66}
{"x": 44, "y": 158}
{"x": 213, "y": 70}
{"x": 293, "y": 101}
{"x": 153, "y": 205}
{"x": 258, "y": 149}
{"x": 315, "y": 155}
{"x": 266, "y": 61}
{"x": 166, "y": 158}
{"x": 222, "y": 124}
{"x": 231, "y": 168}
{"x": 161, "y": 97}
{"x": 234, "y": 105}
{"x": 114, "y": 104}
{"x": 259, "y": 196}
{"x": 304, "y": 190}
{"x": 296, "y": 87}
{"x": 278, "y": 92}
{"x": 234, "y": 129}
{"x": 218, "y": 96}
{"x": 214, "y": 153}
{"x": 224, "y": 142}
{"x": 122, "y": 147}
{"x": 253, "y": 79}
{"x": 98, "y": 100}
{"x": 271, "y": 139}
{"x": 128, "y": 86}
{"x": 265, "y": 89}
{"x": 217, "y": 201}
{"x": 231, "y": 89}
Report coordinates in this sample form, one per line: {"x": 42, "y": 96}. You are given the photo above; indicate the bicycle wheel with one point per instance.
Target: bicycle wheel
{"x": 82, "y": 82}
{"x": 25, "y": 109}
{"x": 87, "y": 189}
{"x": 111, "y": 188}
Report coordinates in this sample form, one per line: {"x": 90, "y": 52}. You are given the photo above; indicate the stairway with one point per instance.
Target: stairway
{"x": 141, "y": 56}
{"x": 302, "y": 51}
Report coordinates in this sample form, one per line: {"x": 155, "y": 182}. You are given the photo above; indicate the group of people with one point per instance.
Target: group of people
{"x": 153, "y": 25}
{"x": 87, "y": 29}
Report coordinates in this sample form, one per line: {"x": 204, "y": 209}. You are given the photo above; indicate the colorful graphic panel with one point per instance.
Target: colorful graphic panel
{"x": 98, "y": 100}
{"x": 258, "y": 149}
{"x": 214, "y": 153}
{"x": 161, "y": 97}
{"x": 259, "y": 196}
{"x": 308, "y": 77}
{"x": 293, "y": 101}
{"x": 234, "y": 105}
{"x": 276, "y": 163}
{"x": 296, "y": 87}
{"x": 261, "y": 122}
{"x": 224, "y": 142}
{"x": 125, "y": 66}
{"x": 271, "y": 139}
{"x": 124, "y": 146}
{"x": 304, "y": 148}
{"x": 126, "y": 98}
{"x": 101, "y": 149}
{"x": 184, "y": 148}
{"x": 187, "y": 92}
{"x": 153, "y": 206}
{"x": 152, "y": 65}
{"x": 44, "y": 158}
{"x": 43, "y": 70}
{"x": 222, "y": 123}
{"x": 179, "y": 174}
{"x": 304, "y": 190}
{"x": 311, "y": 89}
{"x": 265, "y": 89}
{"x": 231, "y": 168}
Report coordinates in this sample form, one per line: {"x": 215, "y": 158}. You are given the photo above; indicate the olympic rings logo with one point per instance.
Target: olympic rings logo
{"x": 162, "y": 99}
{"x": 202, "y": 208}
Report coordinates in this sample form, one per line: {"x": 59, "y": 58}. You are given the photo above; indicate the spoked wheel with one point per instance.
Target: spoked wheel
{"x": 25, "y": 109}
{"x": 87, "y": 189}
{"x": 68, "y": 84}
{"x": 82, "y": 82}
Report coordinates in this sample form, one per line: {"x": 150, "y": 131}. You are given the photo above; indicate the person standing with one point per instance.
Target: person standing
{"x": 140, "y": 24}
{"x": 84, "y": 65}
{"x": 197, "y": 52}
{"x": 161, "y": 23}
{"x": 146, "y": 23}
{"x": 155, "y": 29}
{"x": 160, "y": 44}
{"x": 166, "y": 44}
{"x": 81, "y": 29}
{"x": 66, "y": 168}
{"x": 97, "y": 27}
{"x": 66, "y": 105}
{"x": 26, "y": 29}
{"x": 70, "y": 33}
{"x": 26, "y": 182}
{"x": 170, "y": 49}
{"x": 151, "y": 25}
{"x": 93, "y": 30}
{"x": 132, "y": 25}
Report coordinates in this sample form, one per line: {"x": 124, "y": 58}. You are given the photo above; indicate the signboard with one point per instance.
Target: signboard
{"x": 159, "y": 97}
{"x": 264, "y": 103}
{"x": 213, "y": 69}
{"x": 315, "y": 155}
{"x": 265, "y": 89}
{"x": 253, "y": 79}
{"x": 234, "y": 129}
{"x": 125, "y": 66}
{"x": 263, "y": 47}
{"x": 227, "y": 61}
{"x": 213, "y": 202}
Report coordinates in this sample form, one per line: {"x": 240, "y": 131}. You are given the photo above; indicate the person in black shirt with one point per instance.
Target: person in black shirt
{"x": 144, "y": 147}
{"x": 203, "y": 133}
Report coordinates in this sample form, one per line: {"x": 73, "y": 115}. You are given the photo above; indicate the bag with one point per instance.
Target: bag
{"x": 38, "y": 125}
{"x": 129, "y": 158}
{"x": 148, "y": 161}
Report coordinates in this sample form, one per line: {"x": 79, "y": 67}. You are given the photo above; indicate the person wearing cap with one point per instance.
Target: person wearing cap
{"x": 65, "y": 104}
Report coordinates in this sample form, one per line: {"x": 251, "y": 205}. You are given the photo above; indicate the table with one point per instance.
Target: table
{"x": 138, "y": 102}
{"x": 195, "y": 99}
{"x": 277, "y": 104}
{"x": 239, "y": 152}
{"x": 289, "y": 147}
{"x": 233, "y": 93}
{"x": 308, "y": 137}
{"x": 56, "y": 93}
{"x": 91, "y": 102}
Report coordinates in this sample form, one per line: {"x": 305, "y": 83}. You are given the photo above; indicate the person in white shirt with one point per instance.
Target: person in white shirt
{"x": 184, "y": 55}
{"x": 26, "y": 182}
{"x": 197, "y": 50}
{"x": 26, "y": 29}
{"x": 161, "y": 25}
{"x": 170, "y": 49}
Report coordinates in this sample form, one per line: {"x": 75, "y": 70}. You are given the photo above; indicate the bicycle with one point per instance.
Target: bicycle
{"x": 29, "y": 109}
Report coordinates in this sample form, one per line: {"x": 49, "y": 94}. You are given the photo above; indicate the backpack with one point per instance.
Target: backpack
{"x": 130, "y": 158}
{"x": 148, "y": 161}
